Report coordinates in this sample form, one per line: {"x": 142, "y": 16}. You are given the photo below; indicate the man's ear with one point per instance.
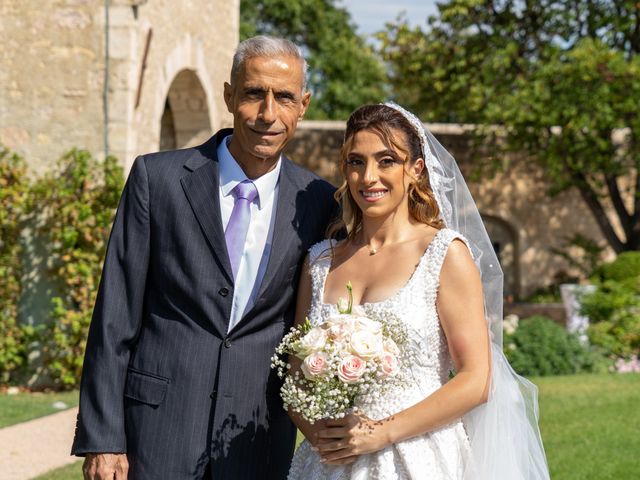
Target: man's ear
{"x": 306, "y": 98}
{"x": 228, "y": 96}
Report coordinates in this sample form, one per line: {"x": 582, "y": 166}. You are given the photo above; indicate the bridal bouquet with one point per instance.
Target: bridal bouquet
{"x": 347, "y": 355}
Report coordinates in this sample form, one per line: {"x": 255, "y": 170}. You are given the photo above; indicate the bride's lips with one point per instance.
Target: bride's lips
{"x": 373, "y": 194}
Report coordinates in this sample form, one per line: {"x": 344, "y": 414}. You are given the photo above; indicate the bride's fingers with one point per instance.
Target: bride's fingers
{"x": 326, "y": 447}
{"x": 334, "y": 432}
{"x": 341, "y": 461}
{"x": 337, "y": 455}
{"x": 337, "y": 422}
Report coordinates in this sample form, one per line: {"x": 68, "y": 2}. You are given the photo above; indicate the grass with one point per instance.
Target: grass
{"x": 27, "y": 406}
{"x": 73, "y": 471}
{"x": 589, "y": 425}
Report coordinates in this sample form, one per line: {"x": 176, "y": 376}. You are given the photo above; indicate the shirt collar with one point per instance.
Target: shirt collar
{"x": 231, "y": 174}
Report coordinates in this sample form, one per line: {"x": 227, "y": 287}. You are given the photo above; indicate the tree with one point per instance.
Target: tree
{"x": 344, "y": 72}
{"x": 559, "y": 80}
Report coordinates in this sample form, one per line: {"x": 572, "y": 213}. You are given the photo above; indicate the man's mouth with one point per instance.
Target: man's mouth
{"x": 265, "y": 133}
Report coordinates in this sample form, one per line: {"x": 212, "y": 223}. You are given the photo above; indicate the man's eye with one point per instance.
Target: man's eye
{"x": 285, "y": 98}
{"x": 253, "y": 93}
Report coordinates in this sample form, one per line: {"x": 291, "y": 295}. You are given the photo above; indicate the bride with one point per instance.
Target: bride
{"x": 416, "y": 248}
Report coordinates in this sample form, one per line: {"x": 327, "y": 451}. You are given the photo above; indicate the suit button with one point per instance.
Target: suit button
{"x": 224, "y": 291}
{"x": 213, "y": 394}
{"x": 227, "y": 343}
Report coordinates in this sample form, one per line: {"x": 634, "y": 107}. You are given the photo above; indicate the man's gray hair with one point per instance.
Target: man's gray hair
{"x": 265, "y": 46}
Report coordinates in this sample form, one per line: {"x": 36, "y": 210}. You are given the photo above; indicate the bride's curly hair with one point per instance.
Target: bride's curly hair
{"x": 384, "y": 121}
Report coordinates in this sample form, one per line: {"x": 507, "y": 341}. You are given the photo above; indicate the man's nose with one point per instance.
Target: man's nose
{"x": 268, "y": 108}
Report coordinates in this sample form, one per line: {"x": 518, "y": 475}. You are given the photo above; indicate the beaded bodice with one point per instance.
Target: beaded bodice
{"x": 415, "y": 305}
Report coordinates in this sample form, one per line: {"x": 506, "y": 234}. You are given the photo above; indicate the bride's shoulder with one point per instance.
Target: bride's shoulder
{"x": 448, "y": 236}
{"x": 322, "y": 249}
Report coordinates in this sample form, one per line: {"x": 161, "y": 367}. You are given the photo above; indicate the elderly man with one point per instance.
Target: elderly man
{"x": 198, "y": 288}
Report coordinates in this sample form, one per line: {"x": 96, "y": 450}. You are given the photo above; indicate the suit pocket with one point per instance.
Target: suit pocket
{"x": 145, "y": 387}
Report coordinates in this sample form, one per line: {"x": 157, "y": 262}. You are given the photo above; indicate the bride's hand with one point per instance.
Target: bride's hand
{"x": 344, "y": 439}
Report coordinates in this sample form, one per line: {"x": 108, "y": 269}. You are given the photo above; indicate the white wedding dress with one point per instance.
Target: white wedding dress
{"x": 437, "y": 455}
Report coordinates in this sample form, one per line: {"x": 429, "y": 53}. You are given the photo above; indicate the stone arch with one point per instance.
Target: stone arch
{"x": 185, "y": 64}
{"x": 185, "y": 119}
{"x": 505, "y": 242}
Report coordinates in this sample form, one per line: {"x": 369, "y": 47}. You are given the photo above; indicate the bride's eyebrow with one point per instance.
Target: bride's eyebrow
{"x": 382, "y": 153}
{"x": 386, "y": 153}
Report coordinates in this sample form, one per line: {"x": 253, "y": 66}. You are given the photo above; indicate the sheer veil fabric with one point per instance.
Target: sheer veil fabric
{"x": 504, "y": 434}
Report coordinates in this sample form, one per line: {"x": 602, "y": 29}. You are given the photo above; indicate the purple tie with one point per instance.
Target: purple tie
{"x": 236, "y": 232}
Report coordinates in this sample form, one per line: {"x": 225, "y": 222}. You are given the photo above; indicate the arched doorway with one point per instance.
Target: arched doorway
{"x": 185, "y": 119}
{"x": 505, "y": 243}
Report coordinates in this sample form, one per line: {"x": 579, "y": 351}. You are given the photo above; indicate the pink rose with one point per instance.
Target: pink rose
{"x": 314, "y": 365}
{"x": 389, "y": 364}
{"x": 351, "y": 369}
{"x": 338, "y": 331}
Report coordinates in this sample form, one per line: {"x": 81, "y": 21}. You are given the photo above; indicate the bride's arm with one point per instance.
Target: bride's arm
{"x": 461, "y": 310}
{"x": 303, "y": 303}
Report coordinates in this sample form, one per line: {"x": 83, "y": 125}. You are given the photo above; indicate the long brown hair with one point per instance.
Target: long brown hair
{"x": 383, "y": 121}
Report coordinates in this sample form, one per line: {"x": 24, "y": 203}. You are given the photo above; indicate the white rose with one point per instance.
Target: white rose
{"x": 313, "y": 341}
{"x": 365, "y": 323}
{"x": 366, "y": 344}
{"x": 391, "y": 347}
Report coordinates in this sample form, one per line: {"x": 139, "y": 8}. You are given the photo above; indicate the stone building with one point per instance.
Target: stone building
{"x": 117, "y": 76}
{"x": 133, "y": 76}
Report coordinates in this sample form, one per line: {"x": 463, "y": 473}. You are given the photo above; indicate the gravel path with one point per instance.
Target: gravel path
{"x": 32, "y": 448}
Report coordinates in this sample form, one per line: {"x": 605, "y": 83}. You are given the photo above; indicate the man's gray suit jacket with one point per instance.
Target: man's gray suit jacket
{"x": 162, "y": 378}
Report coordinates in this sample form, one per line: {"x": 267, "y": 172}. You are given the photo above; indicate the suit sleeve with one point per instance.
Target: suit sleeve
{"x": 115, "y": 323}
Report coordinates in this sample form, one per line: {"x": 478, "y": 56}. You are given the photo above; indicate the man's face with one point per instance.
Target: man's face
{"x": 266, "y": 102}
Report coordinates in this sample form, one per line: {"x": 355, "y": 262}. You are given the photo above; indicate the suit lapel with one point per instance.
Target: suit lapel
{"x": 289, "y": 213}
{"x": 200, "y": 186}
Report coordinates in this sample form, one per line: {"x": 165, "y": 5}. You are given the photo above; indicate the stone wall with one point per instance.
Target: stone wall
{"x": 522, "y": 220}
{"x": 51, "y": 77}
{"x": 53, "y": 72}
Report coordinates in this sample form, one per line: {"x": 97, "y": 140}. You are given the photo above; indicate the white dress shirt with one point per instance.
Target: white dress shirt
{"x": 257, "y": 247}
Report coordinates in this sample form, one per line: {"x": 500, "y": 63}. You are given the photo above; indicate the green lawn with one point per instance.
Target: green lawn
{"x": 70, "y": 472}
{"x": 26, "y": 406}
{"x": 589, "y": 425}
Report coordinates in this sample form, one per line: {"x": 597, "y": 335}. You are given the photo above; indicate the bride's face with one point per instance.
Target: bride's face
{"x": 377, "y": 176}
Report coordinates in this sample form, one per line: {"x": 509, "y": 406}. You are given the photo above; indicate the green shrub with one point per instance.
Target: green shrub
{"x": 614, "y": 308}
{"x": 624, "y": 269}
{"x": 14, "y": 203}
{"x": 79, "y": 200}
{"x": 539, "y": 346}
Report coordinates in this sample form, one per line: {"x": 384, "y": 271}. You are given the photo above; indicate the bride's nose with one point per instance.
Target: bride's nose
{"x": 371, "y": 173}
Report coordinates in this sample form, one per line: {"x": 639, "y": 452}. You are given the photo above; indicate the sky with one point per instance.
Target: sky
{"x": 371, "y": 15}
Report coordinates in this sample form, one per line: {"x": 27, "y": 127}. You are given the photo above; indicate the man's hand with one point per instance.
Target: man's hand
{"x": 105, "y": 466}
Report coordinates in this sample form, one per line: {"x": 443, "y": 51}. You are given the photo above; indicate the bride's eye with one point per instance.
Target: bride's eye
{"x": 354, "y": 162}
{"x": 387, "y": 162}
